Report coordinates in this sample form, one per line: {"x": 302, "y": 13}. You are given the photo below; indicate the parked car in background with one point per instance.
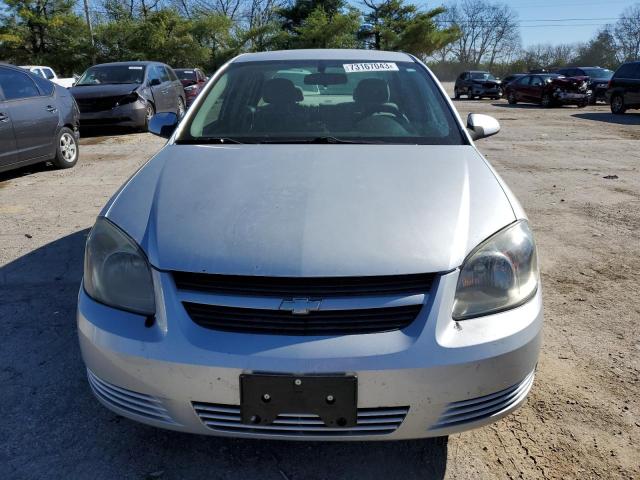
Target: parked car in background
{"x": 477, "y": 84}
{"x": 193, "y": 80}
{"x": 338, "y": 263}
{"x": 508, "y": 79}
{"x": 623, "y": 92}
{"x": 549, "y": 89}
{"x": 128, "y": 94}
{"x": 598, "y": 79}
{"x": 38, "y": 121}
{"x": 49, "y": 74}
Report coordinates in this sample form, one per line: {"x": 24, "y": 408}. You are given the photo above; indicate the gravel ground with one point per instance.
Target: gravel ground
{"x": 582, "y": 418}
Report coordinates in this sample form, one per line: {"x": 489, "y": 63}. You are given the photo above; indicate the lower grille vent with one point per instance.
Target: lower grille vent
{"x": 371, "y": 421}
{"x": 479, "y": 408}
{"x": 134, "y": 403}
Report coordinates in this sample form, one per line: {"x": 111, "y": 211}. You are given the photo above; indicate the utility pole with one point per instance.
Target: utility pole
{"x": 93, "y": 42}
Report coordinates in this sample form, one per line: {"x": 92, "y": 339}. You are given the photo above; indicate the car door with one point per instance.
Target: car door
{"x": 521, "y": 88}
{"x": 535, "y": 90}
{"x": 633, "y": 87}
{"x": 176, "y": 87}
{"x": 8, "y": 148}
{"x": 154, "y": 78}
{"x": 34, "y": 116}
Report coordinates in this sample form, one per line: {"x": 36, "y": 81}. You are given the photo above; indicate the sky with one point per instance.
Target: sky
{"x": 565, "y": 21}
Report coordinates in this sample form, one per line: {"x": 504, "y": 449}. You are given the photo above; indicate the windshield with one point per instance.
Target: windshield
{"x": 322, "y": 101}
{"x": 112, "y": 74}
{"x": 482, "y": 76}
{"x": 186, "y": 74}
{"x": 599, "y": 73}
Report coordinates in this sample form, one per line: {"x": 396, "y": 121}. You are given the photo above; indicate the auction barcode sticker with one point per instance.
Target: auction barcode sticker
{"x": 370, "y": 67}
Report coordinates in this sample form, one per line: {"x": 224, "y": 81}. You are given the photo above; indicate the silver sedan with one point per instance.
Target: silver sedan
{"x": 319, "y": 252}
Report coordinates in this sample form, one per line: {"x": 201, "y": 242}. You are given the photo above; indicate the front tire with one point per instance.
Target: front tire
{"x": 547, "y": 101}
{"x": 150, "y": 112}
{"x": 617, "y": 105}
{"x": 511, "y": 98}
{"x": 67, "y": 150}
{"x": 181, "y": 108}
{"x": 456, "y": 94}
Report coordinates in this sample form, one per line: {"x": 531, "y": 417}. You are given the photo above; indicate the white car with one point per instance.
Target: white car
{"x": 49, "y": 74}
{"x": 328, "y": 263}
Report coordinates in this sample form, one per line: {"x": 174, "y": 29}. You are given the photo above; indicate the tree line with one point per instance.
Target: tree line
{"x": 70, "y": 35}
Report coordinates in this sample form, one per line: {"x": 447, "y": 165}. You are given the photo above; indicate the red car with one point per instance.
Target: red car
{"x": 193, "y": 80}
{"x": 549, "y": 89}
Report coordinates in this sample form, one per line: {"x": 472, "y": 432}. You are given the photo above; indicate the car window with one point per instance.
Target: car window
{"x": 112, "y": 75}
{"x": 163, "y": 74}
{"x": 45, "y": 86}
{"x": 353, "y": 100}
{"x": 524, "y": 81}
{"x": 628, "y": 70}
{"x": 536, "y": 81}
{"x": 17, "y": 85}
{"x": 482, "y": 76}
{"x": 172, "y": 74}
{"x": 48, "y": 73}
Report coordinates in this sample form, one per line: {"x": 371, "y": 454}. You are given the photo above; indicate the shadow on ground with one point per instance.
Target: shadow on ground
{"x": 627, "y": 119}
{"x": 107, "y": 131}
{"x": 48, "y": 407}
{"x": 23, "y": 171}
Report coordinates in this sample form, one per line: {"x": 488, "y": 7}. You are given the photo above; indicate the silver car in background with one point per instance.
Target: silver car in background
{"x": 319, "y": 252}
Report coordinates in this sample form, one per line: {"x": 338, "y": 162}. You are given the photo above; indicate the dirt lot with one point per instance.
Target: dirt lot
{"x": 582, "y": 419}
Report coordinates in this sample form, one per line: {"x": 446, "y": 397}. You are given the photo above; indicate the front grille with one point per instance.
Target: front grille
{"x": 322, "y": 322}
{"x": 489, "y": 85}
{"x": 134, "y": 403}
{"x": 467, "y": 411}
{"x": 371, "y": 421}
{"x": 89, "y": 105}
{"x": 307, "y": 287}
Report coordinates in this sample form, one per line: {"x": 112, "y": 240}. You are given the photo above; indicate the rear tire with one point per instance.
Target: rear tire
{"x": 456, "y": 94}
{"x": 181, "y": 108}
{"x": 511, "y": 98}
{"x": 547, "y": 101}
{"x": 617, "y": 105}
{"x": 67, "y": 149}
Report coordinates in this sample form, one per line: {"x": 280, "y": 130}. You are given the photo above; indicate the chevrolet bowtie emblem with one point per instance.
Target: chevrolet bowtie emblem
{"x": 300, "y": 306}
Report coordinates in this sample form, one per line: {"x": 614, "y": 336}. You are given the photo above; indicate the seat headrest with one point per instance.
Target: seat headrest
{"x": 281, "y": 90}
{"x": 371, "y": 90}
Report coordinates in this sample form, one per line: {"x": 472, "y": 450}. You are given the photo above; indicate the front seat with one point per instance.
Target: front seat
{"x": 282, "y": 113}
{"x": 371, "y": 95}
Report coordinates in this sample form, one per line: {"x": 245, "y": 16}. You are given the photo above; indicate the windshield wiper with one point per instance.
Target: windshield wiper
{"x": 209, "y": 141}
{"x": 318, "y": 140}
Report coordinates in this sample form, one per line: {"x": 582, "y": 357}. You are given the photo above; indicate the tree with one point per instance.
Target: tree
{"x": 295, "y": 14}
{"x": 395, "y": 25}
{"x": 319, "y": 30}
{"x": 627, "y": 33}
{"x": 489, "y": 32}
{"x": 600, "y": 50}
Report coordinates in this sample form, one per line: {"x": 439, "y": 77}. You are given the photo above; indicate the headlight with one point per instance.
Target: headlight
{"x": 131, "y": 98}
{"x": 190, "y": 88}
{"x": 500, "y": 274}
{"x": 116, "y": 271}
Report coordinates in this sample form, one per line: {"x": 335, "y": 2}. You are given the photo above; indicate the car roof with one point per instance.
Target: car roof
{"x": 324, "y": 54}
{"x": 134, "y": 63}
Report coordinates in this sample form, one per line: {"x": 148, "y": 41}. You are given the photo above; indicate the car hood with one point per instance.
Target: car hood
{"x": 107, "y": 90}
{"x": 311, "y": 210}
{"x": 492, "y": 82}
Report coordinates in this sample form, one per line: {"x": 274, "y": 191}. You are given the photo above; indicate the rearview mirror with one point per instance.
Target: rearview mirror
{"x": 163, "y": 124}
{"x": 325, "y": 79}
{"x": 482, "y": 126}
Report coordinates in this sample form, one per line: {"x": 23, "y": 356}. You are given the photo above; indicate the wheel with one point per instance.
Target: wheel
{"x": 617, "y": 105}
{"x": 456, "y": 94}
{"x": 67, "y": 150}
{"x": 511, "y": 98}
{"x": 150, "y": 111}
{"x": 547, "y": 101}
{"x": 181, "y": 109}
{"x": 593, "y": 100}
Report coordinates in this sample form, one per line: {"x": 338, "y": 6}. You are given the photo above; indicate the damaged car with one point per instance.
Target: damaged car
{"x": 128, "y": 94}
{"x": 549, "y": 90}
{"x": 477, "y": 84}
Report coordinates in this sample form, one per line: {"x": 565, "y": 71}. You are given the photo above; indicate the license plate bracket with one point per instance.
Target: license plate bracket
{"x": 334, "y": 398}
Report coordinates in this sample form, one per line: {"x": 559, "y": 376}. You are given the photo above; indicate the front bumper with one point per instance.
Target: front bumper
{"x": 130, "y": 115}
{"x": 487, "y": 92}
{"x": 572, "y": 98}
{"x": 433, "y": 378}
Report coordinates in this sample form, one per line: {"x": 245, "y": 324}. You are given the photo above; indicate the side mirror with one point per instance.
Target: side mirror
{"x": 163, "y": 124}
{"x": 154, "y": 82}
{"x": 481, "y": 126}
